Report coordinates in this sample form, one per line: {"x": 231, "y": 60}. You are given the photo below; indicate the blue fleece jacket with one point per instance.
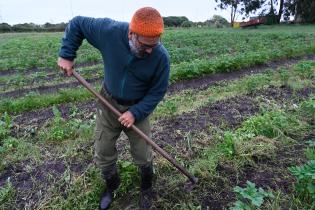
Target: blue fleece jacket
{"x": 126, "y": 76}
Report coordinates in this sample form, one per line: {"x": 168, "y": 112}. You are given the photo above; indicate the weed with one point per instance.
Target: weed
{"x": 5, "y": 125}
{"x": 308, "y": 107}
{"x": 61, "y": 129}
{"x": 310, "y": 150}
{"x": 305, "y": 186}
{"x": 9, "y": 143}
{"x": 284, "y": 76}
{"x": 189, "y": 206}
{"x": 188, "y": 139}
{"x": 305, "y": 70}
{"x": 228, "y": 143}
{"x": 129, "y": 176}
{"x": 250, "y": 197}
{"x": 270, "y": 124}
{"x": 257, "y": 148}
{"x": 73, "y": 111}
{"x": 207, "y": 162}
{"x": 170, "y": 107}
{"x": 82, "y": 192}
{"x": 6, "y": 192}
{"x": 253, "y": 83}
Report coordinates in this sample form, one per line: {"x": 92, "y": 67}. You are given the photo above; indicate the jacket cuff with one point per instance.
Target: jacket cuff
{"x": 70, "y": 58}
{"x": 135, "y": 113}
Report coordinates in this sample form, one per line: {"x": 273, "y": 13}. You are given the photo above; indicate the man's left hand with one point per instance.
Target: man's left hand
{"x": 127, "y": 119}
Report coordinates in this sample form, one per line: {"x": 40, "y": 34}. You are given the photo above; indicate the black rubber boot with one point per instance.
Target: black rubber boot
{"x": 146, "y": 195}
{"x": 112, "y": 182}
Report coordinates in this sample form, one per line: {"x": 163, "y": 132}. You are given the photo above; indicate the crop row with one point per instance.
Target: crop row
{"x": 303, "y": 70}
{"x": 32, "y": 50}
{"x": 258, "y": 138}
{"x": 20, "y": 80}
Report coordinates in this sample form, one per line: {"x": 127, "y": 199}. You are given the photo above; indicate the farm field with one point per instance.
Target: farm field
{"x": 240, "y": 111}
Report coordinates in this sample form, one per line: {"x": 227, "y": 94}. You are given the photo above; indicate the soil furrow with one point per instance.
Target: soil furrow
{"x": 267, "y": 174}
{"x": 199, "y": 83}
{"x": 229, "y": 113}
{"x": 45, "y": 89}
{"x": 205, "y": 81}
{"x": 39, "y": 81}
{"x": 48, "y": 70}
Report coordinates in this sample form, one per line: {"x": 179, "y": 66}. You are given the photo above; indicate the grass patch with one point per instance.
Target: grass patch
{"x": 6, "y": 194}
{"x": 185, "y": 101}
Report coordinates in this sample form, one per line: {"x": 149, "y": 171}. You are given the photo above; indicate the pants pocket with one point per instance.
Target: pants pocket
{"x": 98, "y": 135}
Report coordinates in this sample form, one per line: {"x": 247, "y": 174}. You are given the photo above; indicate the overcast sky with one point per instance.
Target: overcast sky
{"x": 56, "y": 11}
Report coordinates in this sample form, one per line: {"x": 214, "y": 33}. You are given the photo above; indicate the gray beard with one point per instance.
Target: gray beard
{"x": 134, "y": 50}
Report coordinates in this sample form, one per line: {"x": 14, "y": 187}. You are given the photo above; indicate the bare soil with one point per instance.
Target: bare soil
{"x": 216, "y": 193}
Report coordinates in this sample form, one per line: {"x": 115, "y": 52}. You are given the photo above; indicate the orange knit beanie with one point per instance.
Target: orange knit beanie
{"x": 147, "y": 21}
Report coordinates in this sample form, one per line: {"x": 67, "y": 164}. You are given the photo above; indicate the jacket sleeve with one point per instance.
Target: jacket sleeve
{"x": 155, "y": 93}
{"x": 79, "y": 28}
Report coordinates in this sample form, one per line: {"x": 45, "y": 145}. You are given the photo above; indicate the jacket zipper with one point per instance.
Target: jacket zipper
{"x": 123, "y": 85}
{"x": 124, "y": 78}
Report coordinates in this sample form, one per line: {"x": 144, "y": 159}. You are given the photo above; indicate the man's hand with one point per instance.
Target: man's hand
{"x": 127, "y": 119}
{"x": 65, "y": 65}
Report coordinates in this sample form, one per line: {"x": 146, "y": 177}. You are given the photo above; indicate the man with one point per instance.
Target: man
{"x": 136, "y": 77}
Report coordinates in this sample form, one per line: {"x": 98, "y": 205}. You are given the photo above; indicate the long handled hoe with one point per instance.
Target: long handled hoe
{"x": 191, "y": 178}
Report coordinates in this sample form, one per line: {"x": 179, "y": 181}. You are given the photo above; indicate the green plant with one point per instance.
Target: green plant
{"x": 308, "y": 107}
{"x": 252, "y": 84}
{"x": 311, "y": 143}
{"x": 5, "y": 125}
{"x": 82, "y": 192}
{"x": 250, "y": 197}
{"x": 190, "y": 206}
{"x": 270, "y": 124}
{"x": 188, "y": 139}
{"x": 310, "y": 150}
{"x": 259, "y": 147}
{"x": 207, "y": 162}
{"x": 60, "y": 129}
{"x": 128, "y": 175}
{"x": 305, "y": 185}
{"x": 9, "y": 143}
{"x": 305, "y": 69}
{"x": 6, "y": 192}
{"x": 228, "y": 143}
{"x": 170, "y": 107}
{"x": 73, "y": 111}
{"x": 284, "y": 76}
{"x": 37, "y": 101}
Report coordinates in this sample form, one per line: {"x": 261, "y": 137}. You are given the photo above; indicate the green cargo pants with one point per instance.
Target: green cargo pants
{"x": 107, "y": 131}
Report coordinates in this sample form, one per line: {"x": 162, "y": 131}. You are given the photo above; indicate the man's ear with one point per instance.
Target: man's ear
{"x": 129, "y": 34}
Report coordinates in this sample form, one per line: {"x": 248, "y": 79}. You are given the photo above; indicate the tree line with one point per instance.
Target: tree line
{"x": 171, "y": 21}
{"x": 302, "y": 11}
{"x": 31, "y": 27}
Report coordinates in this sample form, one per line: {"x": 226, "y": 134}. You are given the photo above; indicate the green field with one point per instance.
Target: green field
{"x": 240, "y": 111}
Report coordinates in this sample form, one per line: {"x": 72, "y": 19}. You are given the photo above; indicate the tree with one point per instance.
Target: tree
{"x": 174, "y": 21}
{"x": 217, "y": 21}
{"x": 302, "y": 10}
{"x": 187, "y": 24}
{"x": 233, "y": 5}
{"x": 266, "y": 8}
{"x": 239, "y": 7}
{"x": 4, "y": 27}
{"x": 280, "y": 10}
{"x": 275, "y": 17}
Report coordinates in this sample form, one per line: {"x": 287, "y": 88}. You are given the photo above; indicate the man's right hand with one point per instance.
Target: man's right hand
{"x": 65, "y": 65}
